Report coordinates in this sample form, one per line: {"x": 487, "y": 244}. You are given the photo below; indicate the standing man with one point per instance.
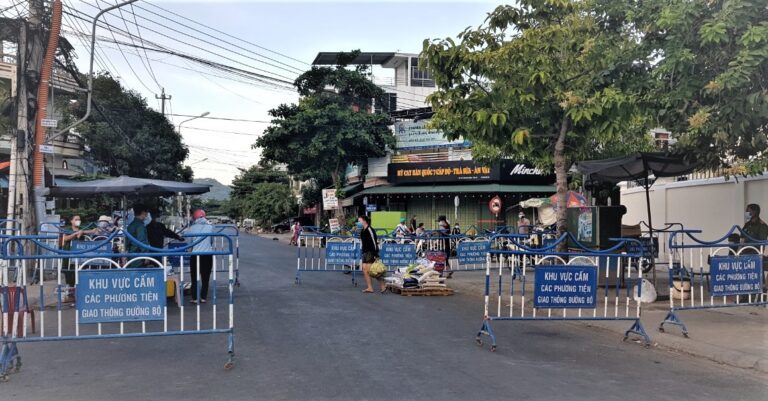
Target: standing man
{"x": 755, "y": 228}
{"x": 157, "y": 232}
{"x": 200, "y": 265}
{"x": 138, "y": 230}
{"x": 413, "y": 224}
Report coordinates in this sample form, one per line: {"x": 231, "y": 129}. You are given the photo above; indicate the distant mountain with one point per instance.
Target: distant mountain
{"x": 219, "y": 191}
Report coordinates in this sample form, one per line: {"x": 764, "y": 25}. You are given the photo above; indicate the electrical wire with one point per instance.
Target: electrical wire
{"x": 222, "y": 118}
{"x": 225, "y": 34}
{"x": 267, "y": 80}
{"x": 221, "y": 131}
{"x": 289, "y": 79}
{"x": 128, "y": 62}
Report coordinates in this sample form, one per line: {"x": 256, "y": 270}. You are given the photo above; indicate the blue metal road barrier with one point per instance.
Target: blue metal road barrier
{"x": 564, "y": 286}
{"x": 714, "y": 274}
{"x": 113, "y": 299}
{"x": 321, "y": 252}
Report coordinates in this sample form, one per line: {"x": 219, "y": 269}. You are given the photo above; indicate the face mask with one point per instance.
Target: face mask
{"x": 147, "y": 219}
{"x": 103, "y": 224}
{"x": 747, "y": 215}
{"x": 359, "y": 225}
{"x": 76, "y": 223}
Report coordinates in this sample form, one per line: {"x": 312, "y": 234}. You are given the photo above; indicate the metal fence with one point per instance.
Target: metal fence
{"x": 581, "y": 284}
{"x": 115, "y": 294}
{"x": 724, "y": 273}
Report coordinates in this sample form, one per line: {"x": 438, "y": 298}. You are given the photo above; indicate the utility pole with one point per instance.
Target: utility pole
{"x": 162, "y": 99}
{"x": 29, "y": 65}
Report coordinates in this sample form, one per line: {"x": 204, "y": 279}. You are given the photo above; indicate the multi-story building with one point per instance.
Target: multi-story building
{"x": 424, "y": 174}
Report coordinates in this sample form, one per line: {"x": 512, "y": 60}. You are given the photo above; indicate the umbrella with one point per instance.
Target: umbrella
{"x": 124, "y": 185}
{"x": 572, "y": 199}
{"x": 638, "y": 166}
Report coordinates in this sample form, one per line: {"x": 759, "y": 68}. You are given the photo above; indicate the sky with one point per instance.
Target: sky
{"x": 277, "y": 39}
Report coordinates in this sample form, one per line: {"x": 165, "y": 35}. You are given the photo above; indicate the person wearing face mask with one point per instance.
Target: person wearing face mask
{"x": 370, "y": 251}
{"x": 755, "y": 228}
{"x": 138, "y": 230}
{"x": 200, "y": 265}
{"x": 69, "y": 234}
{"x": 157, "y": 232}
{"x": 103, "y": 226}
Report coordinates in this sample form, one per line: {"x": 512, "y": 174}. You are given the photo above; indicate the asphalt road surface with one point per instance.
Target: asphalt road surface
{"x": 324, "y": 340}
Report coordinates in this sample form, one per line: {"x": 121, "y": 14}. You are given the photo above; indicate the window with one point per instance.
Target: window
{"x": 388, "y": 104}
{"x": 419, "y": 77}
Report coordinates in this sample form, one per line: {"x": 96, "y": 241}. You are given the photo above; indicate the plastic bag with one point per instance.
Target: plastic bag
{"x": 647, "y": 293}
{"x": 377, "y": 269}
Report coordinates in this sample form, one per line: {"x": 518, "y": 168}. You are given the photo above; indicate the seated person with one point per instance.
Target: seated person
{"x": 754, "y": 228}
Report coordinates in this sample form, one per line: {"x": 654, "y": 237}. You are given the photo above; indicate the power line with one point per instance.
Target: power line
{"x": 292, "y": 68}
{"x": 75, "y": 25}
{"x": 221, "y": 131}
{"x": 128, "y": 62}
{"x": 276, "y": 82}
{"x": 147, "y": 65}
{"x": 222, "y": 118}
{"x": 201, "y": 48}
{"x": 226, "y": 34}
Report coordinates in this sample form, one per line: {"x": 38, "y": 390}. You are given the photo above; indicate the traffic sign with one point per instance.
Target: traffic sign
{"x": 46, "y": 149}
{"x": 494, "y": 205}
{"x": 370, "y": 208}
{"x": 49, "y": 123}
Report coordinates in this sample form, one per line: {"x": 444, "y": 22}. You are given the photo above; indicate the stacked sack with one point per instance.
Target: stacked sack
{"x": 421, "y": 274}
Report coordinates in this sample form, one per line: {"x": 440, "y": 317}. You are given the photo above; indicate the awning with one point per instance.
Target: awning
{"x": 458, "y": 189}
{"x": 332, "y": 58}
{"x": 352, "y": 189}
{"x": 126, "y": 186}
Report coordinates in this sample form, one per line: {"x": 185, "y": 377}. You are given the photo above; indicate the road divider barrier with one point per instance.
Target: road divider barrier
{"x": 724, "y": 273}
{"x": 115, "y": 294}
{"x": 543, "y": 284}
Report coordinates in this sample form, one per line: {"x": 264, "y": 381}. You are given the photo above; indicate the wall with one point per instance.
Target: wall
{"x": 713, "y": 205}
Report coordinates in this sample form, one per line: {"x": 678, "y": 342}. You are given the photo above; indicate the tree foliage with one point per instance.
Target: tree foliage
{"x": 328, "y": 128}
{"x": 711, "y": 80}
{"x": 269, "y": 203}
{"x": 139, "y": 142}
{"x": 550, "y": 81}
{"x": 247, "y": 182}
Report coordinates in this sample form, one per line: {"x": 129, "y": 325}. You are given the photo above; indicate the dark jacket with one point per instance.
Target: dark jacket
{"x": 368, "y": 240}
{"x": 157, "y": 232}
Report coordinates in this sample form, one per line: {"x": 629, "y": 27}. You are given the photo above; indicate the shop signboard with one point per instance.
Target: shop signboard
{"x": 506, "y": 172}
{"x": 416, "y": 135}
{"x": 514, "y": 172}
{"x": 447, "y": 171}
{"x": 330, "y": 201}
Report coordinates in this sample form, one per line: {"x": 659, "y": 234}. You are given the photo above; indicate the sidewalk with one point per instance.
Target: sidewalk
{"x": 732, "y": 336}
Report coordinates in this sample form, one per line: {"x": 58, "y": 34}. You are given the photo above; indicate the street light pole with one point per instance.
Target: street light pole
{"x": 193, "y": 118}
{"x": 90, "y": 71}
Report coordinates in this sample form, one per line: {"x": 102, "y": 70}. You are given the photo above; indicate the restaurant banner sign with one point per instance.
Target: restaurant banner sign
{"x": 416, "y": 135}
{"x": 506, "y": 172}
{"x": 447, "y": 171}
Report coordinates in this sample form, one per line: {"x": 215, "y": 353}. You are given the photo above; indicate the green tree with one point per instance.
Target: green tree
{"x": 551, "y": 81}
{"x": 269, "y": 203}
{"x": 133, "y": 139}
{"x": 327, "y": 129}
{"x": 245, "y": 182}
{"x": 711, "y": 86}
